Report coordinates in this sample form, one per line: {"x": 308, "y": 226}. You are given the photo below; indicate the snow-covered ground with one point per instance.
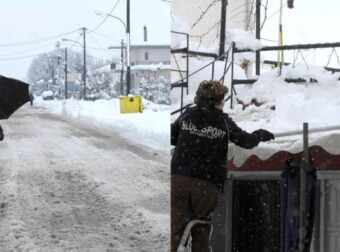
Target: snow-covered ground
{"x": 151, "y": 128}
{"x": 71, "y": 180}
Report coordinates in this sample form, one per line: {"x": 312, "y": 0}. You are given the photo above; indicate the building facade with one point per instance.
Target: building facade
{"x": 146, "y": 53}
{"x": 203, "y": 17}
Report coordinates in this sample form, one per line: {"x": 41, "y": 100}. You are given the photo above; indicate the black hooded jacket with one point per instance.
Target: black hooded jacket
{"x": 201, "y": 137}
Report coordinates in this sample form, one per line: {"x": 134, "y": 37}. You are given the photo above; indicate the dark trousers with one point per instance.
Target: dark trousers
{"x": 191, "y": 199}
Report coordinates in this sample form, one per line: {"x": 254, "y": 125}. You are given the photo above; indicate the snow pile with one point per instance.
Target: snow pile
{"x": 295, "y": 103}
{"x": 205, "y": 74}
{"x": 150, "y": 128}
{"x": 329, "y": 141}
{"x": 243, "y": 39}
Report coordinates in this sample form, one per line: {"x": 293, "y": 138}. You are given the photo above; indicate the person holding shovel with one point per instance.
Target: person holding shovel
{"x": 198, "y": 165}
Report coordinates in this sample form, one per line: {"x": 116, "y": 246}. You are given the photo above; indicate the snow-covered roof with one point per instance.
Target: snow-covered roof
{"x": 150, "y": 44}
{"x": 152, "y": 67}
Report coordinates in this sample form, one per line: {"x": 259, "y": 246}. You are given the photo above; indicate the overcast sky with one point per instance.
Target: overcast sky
{"x": 310, "y": 21}
{"x": 35, "y": 20}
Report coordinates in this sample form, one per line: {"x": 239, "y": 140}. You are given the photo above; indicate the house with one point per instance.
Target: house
{"x": 148, "y": 53}
{"x": 149, "y": 61}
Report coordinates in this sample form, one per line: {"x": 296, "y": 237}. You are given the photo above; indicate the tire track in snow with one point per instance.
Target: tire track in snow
{"x": 71, "y": 191}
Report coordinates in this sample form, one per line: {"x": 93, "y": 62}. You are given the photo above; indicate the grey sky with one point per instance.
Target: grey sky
{"x": 30, "y": 20}
{"x": 310, "y": 21}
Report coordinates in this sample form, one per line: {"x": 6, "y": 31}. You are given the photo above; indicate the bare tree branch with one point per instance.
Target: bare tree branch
{"x": 204, "y": 12}
{"x": 207, "y": 32}
{"x": 265, "y": 14}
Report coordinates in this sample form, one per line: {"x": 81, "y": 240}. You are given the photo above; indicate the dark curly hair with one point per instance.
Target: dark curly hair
{"x": 210, "y": 93}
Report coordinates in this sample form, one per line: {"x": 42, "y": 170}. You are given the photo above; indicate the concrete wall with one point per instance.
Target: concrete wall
{"x": 190, "y": 12}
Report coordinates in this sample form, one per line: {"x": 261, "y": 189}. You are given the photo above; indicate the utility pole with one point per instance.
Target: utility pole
{"x": 66, "y": 74}
{"x": 223, "y": 25}
{"x": 84, "y": 74}
{"x": 122, "y": 68}
{"x": 128, "y": 74}
{"x": 258, "y": 28}
{"x": 58, "y": 65}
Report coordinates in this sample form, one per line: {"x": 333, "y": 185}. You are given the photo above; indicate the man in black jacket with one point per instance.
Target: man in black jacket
{"x": 198, "y": 165}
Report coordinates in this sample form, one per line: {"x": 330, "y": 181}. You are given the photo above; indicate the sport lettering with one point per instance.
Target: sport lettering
{"x": 207, "y": 132}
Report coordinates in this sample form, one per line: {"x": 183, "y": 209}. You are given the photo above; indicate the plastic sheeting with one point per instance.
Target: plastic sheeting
{"x": 290, "y": 207}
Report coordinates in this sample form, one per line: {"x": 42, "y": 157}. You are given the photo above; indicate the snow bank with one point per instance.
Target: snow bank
{"x": 243, "y": 39}
{"x": 296, "y": 103}
{"x": 150, "y": 128}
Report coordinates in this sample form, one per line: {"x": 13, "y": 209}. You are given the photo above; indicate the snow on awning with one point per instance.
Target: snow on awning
{"x": 324, "y": 154}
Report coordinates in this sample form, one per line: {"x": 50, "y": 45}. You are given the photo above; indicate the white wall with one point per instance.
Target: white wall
{"x": 156, "y": 55}
{"x": 190, "y": 12}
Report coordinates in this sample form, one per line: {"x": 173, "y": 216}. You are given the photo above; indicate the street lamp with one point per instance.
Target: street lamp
{"x": 127, "y": 31}
{"x": 84, "y": 68}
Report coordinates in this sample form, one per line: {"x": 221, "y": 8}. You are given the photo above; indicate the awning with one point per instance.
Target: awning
{"x": 324, "y": 153}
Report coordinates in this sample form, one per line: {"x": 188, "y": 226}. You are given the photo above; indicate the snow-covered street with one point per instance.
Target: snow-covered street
{"x": 67, "y": 186}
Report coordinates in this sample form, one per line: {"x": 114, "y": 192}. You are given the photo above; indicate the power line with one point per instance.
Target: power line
{"x": 22, "y": 57}
{"x": 107, "y": 37}
{"x": 103, "y": 21}
{"x": 37, "y": 40}
{"x": 95, "y": 40}
{"x": 31, "y": 55}
{"x": 93, "y": 48}
{"x": 30, "y": 50}
{"x": 75, "y": 44}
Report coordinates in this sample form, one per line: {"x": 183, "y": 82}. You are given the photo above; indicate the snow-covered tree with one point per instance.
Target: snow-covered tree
{"x": 46, "y": 71}
{"x": 155, "y": 89}
{"x": 102, "y": 85}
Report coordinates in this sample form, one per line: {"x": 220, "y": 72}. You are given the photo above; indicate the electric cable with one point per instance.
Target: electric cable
{"x": 29, "y": 50}
{"x": 41, "y": 40}
{"x": 104, "y": 20}
{"x": 106, "y": 36}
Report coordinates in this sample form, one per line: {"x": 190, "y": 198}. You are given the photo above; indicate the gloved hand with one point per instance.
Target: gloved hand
{"x": 264, "y": 135}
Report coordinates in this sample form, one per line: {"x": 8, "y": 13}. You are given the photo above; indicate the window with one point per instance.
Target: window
{"x": 146, "y": 56}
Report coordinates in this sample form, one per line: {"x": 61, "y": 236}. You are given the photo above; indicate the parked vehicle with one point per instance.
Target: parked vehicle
{"x": 47, "y": 95}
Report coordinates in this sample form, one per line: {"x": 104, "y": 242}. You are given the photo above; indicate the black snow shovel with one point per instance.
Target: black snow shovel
{"x": 13, "y": 94}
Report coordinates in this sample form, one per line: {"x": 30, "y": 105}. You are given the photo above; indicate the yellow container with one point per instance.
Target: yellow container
{"x": 130, "y": 104}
